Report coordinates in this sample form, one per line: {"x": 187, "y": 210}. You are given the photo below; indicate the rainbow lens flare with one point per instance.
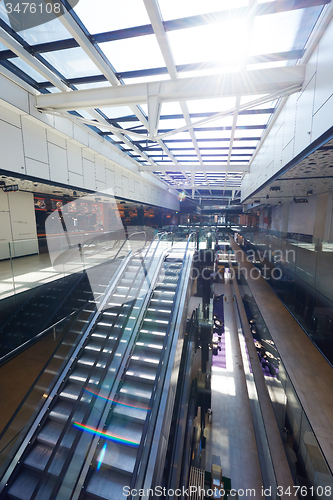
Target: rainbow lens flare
{"x": 106, "y": 435}
{"x": 117, "y": 402}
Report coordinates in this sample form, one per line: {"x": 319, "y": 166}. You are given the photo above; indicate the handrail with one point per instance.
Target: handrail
{"x": 147, "y": 421}
{"x": 127, "y": 239}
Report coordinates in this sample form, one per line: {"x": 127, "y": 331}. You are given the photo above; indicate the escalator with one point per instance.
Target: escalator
{"x": 127, "y": 420}
{"x": 89, "y": 439}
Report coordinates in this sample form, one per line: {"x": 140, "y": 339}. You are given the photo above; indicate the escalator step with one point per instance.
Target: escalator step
{"x": 51, "y": 432}
{"x": 140, "y": 372}
{"x": 62, "y": 410}
{"x": 24, "y": 485}
{"x": 119, "y": 457}
{"x": 152, "y": 345}
{"x": 141, "y": 392}
{"x": 144, "y": 356}
{"x": 127, "y": 411}
{"x": 71, "y": 392}
{"x": 107, "y": 485}
{"x": 154, "y": 311}
{"x": 154, "y": 334}
{"x": 128, "y": 431}
{"x": 89, "y": 360}
{"x": 39, "y": 456}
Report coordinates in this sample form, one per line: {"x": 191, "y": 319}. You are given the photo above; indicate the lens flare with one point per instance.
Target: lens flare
{"x": 106, "y": 435}
{"x": 101, "y": 457}
{"x": 117, "y": 402}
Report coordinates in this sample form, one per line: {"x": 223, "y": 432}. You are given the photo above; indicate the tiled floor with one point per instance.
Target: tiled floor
{"x": 231, "y": 441}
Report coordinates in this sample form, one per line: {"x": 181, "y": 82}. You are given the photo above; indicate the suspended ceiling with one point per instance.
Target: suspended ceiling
{"x": 185, "y": 88}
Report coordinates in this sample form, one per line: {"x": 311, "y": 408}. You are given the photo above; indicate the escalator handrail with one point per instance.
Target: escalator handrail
{"x": 127, "y": 239}
{"x": 147, "y": 421}
{"x": 135, "y": 328}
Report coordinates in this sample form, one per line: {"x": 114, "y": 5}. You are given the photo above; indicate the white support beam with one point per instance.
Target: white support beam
{"x": 162, "y": 39}
{"x": 34, "y": 63}
{"x": 232, "y": 84}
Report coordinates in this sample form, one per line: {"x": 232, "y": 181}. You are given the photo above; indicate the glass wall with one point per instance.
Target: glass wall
{"x": 300, "y": 270}
{"x": 306, "y": 460}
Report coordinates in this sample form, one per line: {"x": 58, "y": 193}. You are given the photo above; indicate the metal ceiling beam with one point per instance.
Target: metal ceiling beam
{"x": 244, "y": 83}
{"x": 34, "y": 63}
{"x": 265, "y": 58}
{"x": 252, "y": 8}
{"x": 157, "y": 24}
{"x": 96, "y": 55}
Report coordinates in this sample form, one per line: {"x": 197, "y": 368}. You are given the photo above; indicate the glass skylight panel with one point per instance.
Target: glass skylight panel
{"x": 48, "y": 32}
{"x": 243, "y": 120}
{"x": 212, "y": 134}
{"x": 171, "y": 108}
{"x": 144, "y": 79}
{"x": 173, "y": 9}
{"x": 118, "y": 111}
{"x": 213, "y": 151}
{"x": 211, "y": 105}
{"x": 247, "y": 133}
{"x": 213, "y": 158}
{"x": 72, "y": 63}
{"x": 173, "y": 123}
{"x": 248, "y": 152}
{"x": 93, "y": 85}
{"x": 193, "y": 161}
{"x": 180, "y": 136}
{"x": 222, "y": 69}
{"x": 27, "y": 69}
{"x": 225, "y": 42}
{"x": 213, "y": 144}
{"x": 179, "y": 145}
{"x": 134, "y": 53}
{"x": 267, "y": 32}
{"x": 240, "y": 143}
{"x": 110, "y": 15}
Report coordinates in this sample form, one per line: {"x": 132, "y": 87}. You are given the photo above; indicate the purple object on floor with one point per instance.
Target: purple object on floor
{"x": 219, "y": 359}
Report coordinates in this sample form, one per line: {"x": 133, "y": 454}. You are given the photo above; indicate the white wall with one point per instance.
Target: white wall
{"x": 305, "y": 117}
{"x": 55, "y": 149}
{"x": 18, "y": 224}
